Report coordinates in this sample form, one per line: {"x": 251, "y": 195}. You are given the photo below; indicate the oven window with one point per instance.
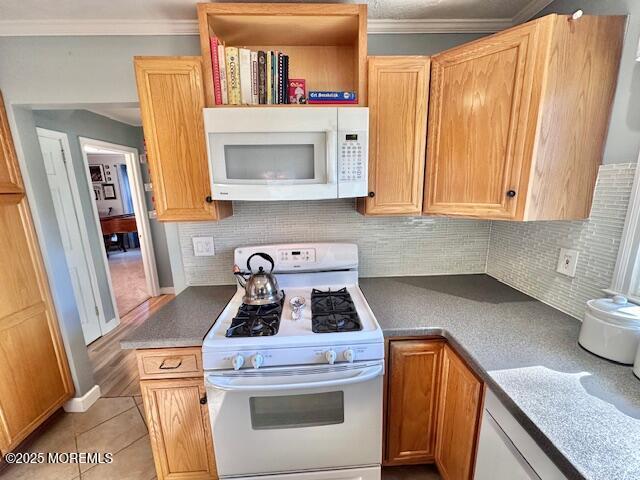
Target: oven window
{"x": 297, "y": 411}
{"x": 270, "y": 162}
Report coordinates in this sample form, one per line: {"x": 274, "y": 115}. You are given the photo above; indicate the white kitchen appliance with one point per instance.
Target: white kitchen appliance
{"x": 287, "y": 153}
{"x": 611, "y": 329}
{"x": 302, "y": 399}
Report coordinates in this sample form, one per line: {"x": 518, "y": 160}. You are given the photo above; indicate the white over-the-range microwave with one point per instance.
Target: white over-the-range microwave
{"x": 287, "y": 153}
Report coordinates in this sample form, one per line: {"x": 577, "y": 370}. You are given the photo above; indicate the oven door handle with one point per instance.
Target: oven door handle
{"x": 243, "y": 384}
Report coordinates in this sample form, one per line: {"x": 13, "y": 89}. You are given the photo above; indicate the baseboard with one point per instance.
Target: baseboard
{"x": 83, "y": 403}
{"x": 167, "y": 291}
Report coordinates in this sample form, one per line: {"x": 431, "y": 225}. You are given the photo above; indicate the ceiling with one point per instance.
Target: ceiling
{"x": 128, "y": 115}
{"x": 127, "y": 17}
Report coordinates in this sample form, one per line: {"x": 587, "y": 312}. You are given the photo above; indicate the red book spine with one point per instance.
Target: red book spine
{"x": 217, "y": 92}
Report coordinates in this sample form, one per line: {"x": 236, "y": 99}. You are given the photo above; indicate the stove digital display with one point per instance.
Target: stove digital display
{"x": 295, "y": 253}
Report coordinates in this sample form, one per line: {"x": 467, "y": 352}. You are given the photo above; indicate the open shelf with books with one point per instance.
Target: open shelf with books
{"x": 323, "y": 44}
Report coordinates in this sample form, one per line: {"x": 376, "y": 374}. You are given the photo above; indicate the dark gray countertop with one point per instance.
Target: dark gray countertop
{"x": 184, "y": 321}
{"x": 582, "y": 410}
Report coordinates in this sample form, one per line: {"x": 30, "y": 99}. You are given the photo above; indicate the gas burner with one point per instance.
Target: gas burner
{"x": 333, "y": 312}
{"x": 256, "y": 320}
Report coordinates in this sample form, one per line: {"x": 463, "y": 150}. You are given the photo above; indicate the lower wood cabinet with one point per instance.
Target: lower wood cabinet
{"x": 460, "y": 409}
{"x": 433, "y": 407}
{"x": 414, "y": 378}
{"x": 177, "y": 415}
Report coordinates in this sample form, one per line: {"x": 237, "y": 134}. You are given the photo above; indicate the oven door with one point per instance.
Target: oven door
{"x": 282, "y": 420}
{"x": 272, "y": 154}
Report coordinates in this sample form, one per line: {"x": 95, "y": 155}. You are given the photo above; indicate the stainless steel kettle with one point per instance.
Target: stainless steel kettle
{"x": 260, "y": 288}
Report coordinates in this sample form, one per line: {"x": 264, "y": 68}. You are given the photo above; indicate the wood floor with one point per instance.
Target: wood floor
{"x": 129, "y": 281}
{"x": 114, "y": 369}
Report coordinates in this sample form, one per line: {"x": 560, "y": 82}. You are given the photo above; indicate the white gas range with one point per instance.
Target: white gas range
{"x": 303, "y": 398}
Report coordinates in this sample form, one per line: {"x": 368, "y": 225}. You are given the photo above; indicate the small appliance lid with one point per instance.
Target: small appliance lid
{"x": 615, "y": 310}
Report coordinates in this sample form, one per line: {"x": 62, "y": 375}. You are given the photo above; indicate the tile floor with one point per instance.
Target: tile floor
{"x": 114, "y": 425}
{"x": 129, "y": 281}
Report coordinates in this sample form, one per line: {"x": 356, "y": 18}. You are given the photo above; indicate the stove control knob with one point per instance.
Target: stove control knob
{"x": 257, "y": 360}
{"x": 331, "y": 356}
{"x": 238, "y": 362}
{"x": 349, "y": 355}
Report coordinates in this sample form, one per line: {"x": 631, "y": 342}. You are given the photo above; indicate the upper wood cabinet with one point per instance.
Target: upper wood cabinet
{"x": 460, "y": 408}
{"x": 518, "y": 120}
{"x": 398, "y": 99}
{"x": 171, "y": 101}
{"x": 412, "y": 400}
{"x": 10, "y": 181}
{"x": 179, "y": 428}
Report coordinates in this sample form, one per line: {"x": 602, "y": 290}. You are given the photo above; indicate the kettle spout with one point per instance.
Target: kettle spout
{"x": 239, "y": 276}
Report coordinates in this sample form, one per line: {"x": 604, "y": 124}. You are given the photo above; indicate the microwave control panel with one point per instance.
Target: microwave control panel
{"x": 353, "y": 154}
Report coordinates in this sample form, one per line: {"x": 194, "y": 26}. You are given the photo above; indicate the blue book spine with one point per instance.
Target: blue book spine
{"x": 332, "y": 96}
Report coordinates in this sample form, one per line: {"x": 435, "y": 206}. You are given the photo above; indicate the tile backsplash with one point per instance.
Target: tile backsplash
{"x": 388, "y": 245}
{"x": 524, "y": 255}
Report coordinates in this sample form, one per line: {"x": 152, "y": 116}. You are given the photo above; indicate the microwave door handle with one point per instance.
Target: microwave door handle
{"x": 331, "y": 148}
{"x": 226, "y": 383}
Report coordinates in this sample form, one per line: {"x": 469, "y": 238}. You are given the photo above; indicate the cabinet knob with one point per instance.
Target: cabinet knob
{"x": 208, "y": 199}
{"x": 372, "y": 194}
{"x": 511, "y": 193}
{"x": 203, "y": 400}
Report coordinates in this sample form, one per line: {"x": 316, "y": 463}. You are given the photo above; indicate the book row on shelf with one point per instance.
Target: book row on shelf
{"x": 245, "y": 77}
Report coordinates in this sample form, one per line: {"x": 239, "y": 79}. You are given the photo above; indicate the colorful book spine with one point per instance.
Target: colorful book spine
{"x": 285, "y": 83}
{"x": 274, "y": 74}
{"x": 254, "y": 78}
{"x": 280, "y": 77}
{"x": 297, "y": 90}
{"x": 233, "y": 75}
{"x": 269, "y": 78}
{"x": 262, "y": 77}
{"x": 222, "y": 69}
{"x": 332, "y": 97}
{"x": 244, "y": 55}
{"x": 215, "y": 66}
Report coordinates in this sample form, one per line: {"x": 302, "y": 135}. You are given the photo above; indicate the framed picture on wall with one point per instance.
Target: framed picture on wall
{"x": 97, "y": 192}
{"x": 97, "y": 173}
{"x": 109, "y": 191}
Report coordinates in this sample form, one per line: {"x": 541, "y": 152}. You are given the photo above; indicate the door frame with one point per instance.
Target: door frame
{"x": 105, "y": 326}
{"x": 132, "y": 160}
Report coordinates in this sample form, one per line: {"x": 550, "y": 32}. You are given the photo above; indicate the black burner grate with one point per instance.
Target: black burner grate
{"x": 333, "y": 312}
{"x": 256, "y": 320}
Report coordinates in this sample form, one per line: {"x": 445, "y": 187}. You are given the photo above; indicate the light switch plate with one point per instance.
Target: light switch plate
{"x": 203, "y": 246}
{"x": 153, "y": 214}
{"x": 567, "y": 262}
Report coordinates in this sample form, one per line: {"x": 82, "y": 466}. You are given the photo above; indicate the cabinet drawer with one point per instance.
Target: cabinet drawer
{"x": 169, "y": 363}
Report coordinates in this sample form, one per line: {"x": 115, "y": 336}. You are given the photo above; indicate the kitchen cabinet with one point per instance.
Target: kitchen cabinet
{"x": 171, "y": 101}
{"x": 10, "y": 181}
{"x": 459, "y": 410}
{"x": 34, "y": 375}
{"x": 518, "y": 120}
{"x": 177, "y": 413}
{"x": 398, "y": 100}
{"x": 412, "y": 401}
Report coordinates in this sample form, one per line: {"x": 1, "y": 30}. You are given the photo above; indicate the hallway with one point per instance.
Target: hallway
{"x": 128, "y": 278}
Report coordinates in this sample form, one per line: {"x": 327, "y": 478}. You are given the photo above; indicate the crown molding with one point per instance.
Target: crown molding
{"x": 22, "y": 28}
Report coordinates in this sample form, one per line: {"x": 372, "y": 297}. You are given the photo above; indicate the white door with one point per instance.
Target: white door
{"x": 76, "y": 255}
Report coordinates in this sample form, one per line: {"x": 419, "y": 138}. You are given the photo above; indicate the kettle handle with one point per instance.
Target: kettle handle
{"x": 267, "y": 257}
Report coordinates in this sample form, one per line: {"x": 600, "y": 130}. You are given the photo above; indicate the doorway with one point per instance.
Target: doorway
{"x": 113, "y": 171}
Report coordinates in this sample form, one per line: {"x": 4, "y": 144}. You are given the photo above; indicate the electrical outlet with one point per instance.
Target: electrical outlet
{"x": 203, "y": 246}
{"x": 567, "y": 262}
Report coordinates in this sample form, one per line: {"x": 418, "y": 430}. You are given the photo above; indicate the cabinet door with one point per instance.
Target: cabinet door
{"x": 34, "y": 375}
{"x": 398, "y": 98}
{"x": 460, "y": 405}
{"x": 10, "y": 181}
{"x": 414, "y": 376}
{"x": 179, "y": 428}
{"x": 171, "y": 102}
{"x": 481, "y": 126}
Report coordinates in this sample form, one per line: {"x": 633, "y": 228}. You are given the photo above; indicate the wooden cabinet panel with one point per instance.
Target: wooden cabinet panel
{"x": 10, "y": 181}
{"x": 398, "y": 98}
{"x": 34, "y": 375}
{"x": 460, "y": 406}
{"x": 171, "y": 101}
{"x": 179, "y": 428}
{"x": 478, "y": 124}
{"x": 412, "y": 398}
